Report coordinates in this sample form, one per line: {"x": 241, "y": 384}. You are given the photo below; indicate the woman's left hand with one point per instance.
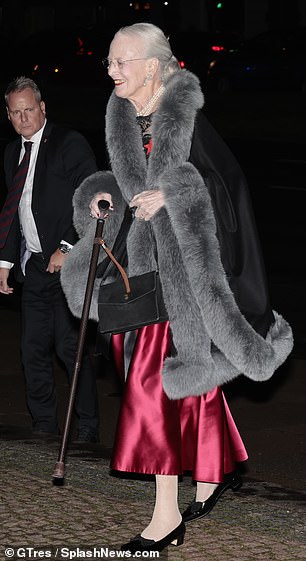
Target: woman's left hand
{"x": 148, "y": 203}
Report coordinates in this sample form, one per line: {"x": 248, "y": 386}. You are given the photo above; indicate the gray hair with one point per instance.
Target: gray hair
{"x": 21, "y": 83}
{"x": 156, "y": 45}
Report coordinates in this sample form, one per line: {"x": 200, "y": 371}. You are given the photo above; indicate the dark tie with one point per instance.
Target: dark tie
{"x": 12, "y": 200}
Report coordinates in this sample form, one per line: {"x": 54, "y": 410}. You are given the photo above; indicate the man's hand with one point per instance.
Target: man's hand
{"x": 56, "y": 261}
{"x": 4, "y": 287}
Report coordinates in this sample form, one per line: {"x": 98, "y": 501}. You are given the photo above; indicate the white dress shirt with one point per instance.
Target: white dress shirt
{"x": 26, "y": 218}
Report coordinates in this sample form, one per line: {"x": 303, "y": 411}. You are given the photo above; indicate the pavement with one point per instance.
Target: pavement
{"x": 94, "y": 512}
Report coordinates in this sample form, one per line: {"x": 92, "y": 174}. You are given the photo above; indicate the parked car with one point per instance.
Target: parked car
{"x": 196, "y": 49}
{"x": 274, "y": 59}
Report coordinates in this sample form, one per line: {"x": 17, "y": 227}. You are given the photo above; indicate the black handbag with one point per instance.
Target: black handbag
{"x": 120, "y": 311}
{"x": 130, "y": 302}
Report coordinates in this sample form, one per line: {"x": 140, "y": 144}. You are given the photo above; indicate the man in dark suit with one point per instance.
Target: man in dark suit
{"x": 38, "y": 240}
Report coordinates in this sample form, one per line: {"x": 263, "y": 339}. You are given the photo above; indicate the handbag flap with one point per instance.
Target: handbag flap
{"x": 141, "y": 286}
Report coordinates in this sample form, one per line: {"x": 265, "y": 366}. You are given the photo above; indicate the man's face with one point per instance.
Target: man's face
{"x": 26, "y": 114}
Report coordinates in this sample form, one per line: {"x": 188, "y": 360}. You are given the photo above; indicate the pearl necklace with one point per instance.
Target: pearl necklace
{"x": 146, "y": 110}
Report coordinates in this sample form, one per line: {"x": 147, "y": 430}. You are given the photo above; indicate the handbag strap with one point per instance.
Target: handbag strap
{"x": 119, "y": 246}
{"x": 119, "y": 267}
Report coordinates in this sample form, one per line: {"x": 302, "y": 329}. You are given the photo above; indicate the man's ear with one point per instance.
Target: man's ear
{"x": 43, "y": 107}
{"x": 8, "y": 113}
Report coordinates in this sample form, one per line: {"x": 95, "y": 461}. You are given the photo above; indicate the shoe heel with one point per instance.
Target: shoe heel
{"x": 236, "y": 483}
{"x": 179, "y": 540}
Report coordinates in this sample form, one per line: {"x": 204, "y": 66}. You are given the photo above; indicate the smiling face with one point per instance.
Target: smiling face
{"x": 130, "y": 76}
{"x": 26, "y": 114}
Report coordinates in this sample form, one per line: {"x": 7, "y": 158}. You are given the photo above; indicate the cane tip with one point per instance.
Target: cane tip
{"x": 58, "y": 481}
{"x": 58, "y": 474}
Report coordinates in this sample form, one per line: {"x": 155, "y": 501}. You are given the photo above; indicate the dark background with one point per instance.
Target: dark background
{"x": 20, "y": 18}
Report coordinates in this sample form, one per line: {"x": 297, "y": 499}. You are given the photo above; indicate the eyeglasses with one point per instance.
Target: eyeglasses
{"x": 119, "y": 63}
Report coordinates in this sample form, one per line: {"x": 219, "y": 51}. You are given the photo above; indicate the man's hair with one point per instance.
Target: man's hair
{"x": 20, "y": 84}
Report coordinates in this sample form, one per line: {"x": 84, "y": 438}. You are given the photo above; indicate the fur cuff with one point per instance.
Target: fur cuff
{"x": 101, "y": 181}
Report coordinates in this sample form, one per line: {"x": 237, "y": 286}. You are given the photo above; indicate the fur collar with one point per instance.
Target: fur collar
{"x": 172, "y": 129}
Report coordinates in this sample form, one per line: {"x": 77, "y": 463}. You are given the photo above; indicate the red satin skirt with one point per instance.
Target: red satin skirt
{"x": 156, "y": 435}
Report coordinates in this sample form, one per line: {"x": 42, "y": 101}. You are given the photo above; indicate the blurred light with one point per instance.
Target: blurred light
{"x": 166, "y": 3}
{"x": 56, "y": 70}
{"x": 219, "y": 5}
{"x": 211, "y": 65}
{"x": 217, "y": 48}
{"x": 36, "y": 67}
{"x": 137, "y": 5}
{"x": 80, "y": 51}
{"x": 182, "y": 63}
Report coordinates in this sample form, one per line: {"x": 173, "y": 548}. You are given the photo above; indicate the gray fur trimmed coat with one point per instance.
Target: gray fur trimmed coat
{"x": 214, "y": 341}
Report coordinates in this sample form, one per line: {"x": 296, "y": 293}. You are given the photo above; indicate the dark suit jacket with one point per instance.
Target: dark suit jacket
{"x": 237, "y": 233}
{"x": 64, "y": 160}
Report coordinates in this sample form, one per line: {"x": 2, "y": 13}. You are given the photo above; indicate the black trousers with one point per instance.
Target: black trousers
{"x": 48, "y": 326}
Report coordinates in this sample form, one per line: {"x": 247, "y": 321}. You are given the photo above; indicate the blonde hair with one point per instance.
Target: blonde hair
{"x": 21, "y": 83}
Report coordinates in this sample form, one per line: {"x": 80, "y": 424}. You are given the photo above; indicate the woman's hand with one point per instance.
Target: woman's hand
{"x": 148, "y": 203}
{"x": 94, "y": 208}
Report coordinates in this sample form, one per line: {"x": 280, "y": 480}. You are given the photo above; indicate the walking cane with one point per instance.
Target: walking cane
{"x": 59, "y": 469}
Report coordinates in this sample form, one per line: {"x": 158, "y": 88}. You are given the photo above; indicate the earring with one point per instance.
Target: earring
{"x": 147, "y": 79}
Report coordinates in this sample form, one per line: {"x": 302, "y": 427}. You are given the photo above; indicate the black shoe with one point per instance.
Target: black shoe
{"x": 176, "y": 537}
{"x": 45, "y": 433}
{"x": 87, "y": 435}
{"x": 198, "y": 509}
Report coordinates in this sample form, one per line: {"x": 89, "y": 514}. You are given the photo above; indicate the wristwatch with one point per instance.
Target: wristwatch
{"x": 64, "y": 248}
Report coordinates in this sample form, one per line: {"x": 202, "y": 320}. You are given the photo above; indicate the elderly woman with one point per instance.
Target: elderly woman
{"x": 193, "y": 222}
